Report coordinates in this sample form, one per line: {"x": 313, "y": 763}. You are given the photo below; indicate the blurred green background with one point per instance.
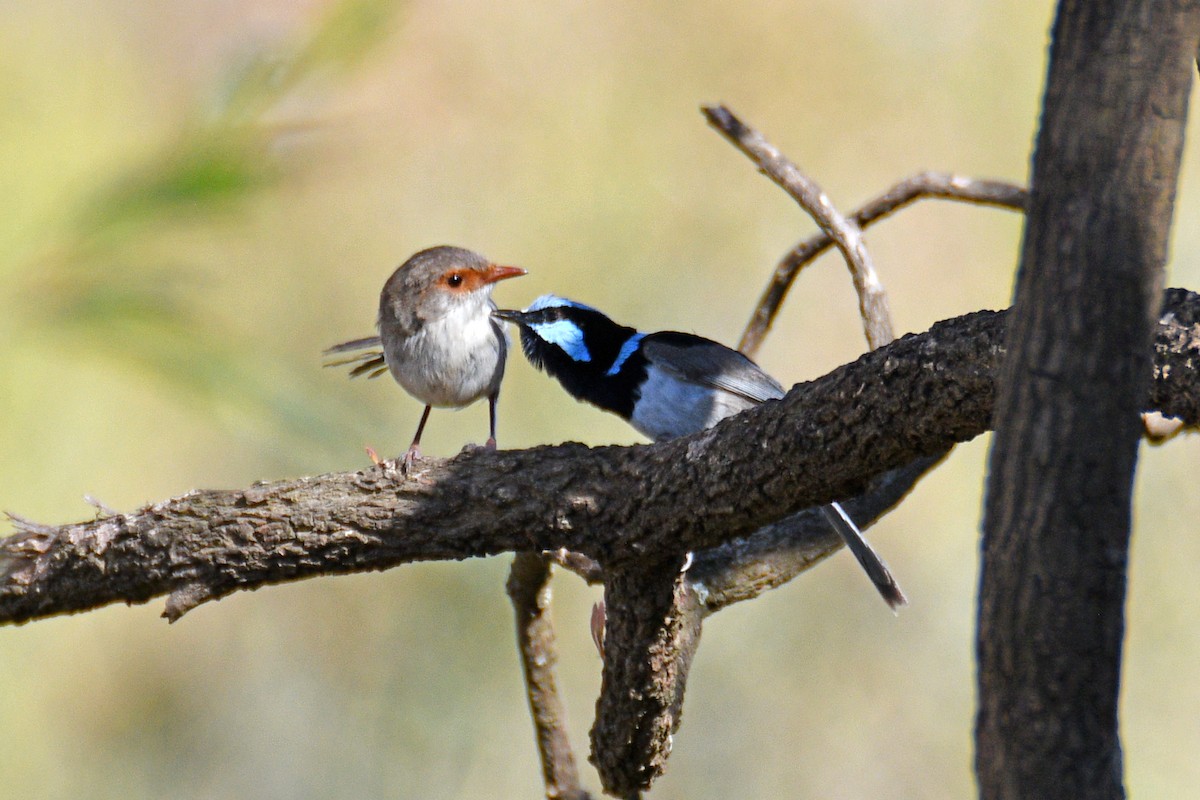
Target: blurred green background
{"x": 198, "y": 197}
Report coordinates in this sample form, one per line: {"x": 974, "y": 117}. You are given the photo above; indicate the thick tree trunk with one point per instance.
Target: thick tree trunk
{"x": 1057, "y": 515}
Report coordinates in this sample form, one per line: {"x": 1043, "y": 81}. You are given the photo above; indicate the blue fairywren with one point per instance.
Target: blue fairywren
{"x": 436, "y": 334}
{"x": 665, "y": 384}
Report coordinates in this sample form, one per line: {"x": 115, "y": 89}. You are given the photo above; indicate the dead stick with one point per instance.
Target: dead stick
{"x": 872, "y": 300}
{"x": 943, "y": 185}
{"x": 529, "y": 590}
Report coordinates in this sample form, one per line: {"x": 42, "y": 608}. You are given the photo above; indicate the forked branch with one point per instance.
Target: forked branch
{"x": 843, "y": 232}
{"x": 826, "y": 439}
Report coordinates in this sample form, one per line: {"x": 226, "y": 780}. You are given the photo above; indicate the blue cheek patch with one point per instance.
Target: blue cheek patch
{"x": 566, "y": 336}
{"x": 627, "y": 349}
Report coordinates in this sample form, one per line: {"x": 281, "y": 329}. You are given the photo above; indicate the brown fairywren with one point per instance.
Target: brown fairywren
{"x": 436, "y": 334}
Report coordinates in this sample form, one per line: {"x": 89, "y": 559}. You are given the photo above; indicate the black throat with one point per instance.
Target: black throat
{"x": 593, "y": 380}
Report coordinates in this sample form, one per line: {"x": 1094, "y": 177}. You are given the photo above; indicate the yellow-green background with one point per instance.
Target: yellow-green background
{"x": 197, "y": 197}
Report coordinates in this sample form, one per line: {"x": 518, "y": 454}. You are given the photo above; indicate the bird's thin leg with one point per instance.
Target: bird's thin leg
{"x": 414, "y": 449}
{"x": 491, "y": 442}
{"x": 871, "y": 563}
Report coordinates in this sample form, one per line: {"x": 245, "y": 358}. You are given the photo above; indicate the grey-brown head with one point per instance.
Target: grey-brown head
{"x": 436, "y": 282}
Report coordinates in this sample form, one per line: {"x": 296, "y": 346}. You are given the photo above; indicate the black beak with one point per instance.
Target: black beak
{"x": 509, "y": 315}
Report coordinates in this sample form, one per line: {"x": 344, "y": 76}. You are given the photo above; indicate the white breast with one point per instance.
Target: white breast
{"x": 452, "y": 361}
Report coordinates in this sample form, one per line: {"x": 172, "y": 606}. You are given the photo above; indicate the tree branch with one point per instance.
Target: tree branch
{"x": 651, "y": 635}
{"x": 914, "y": 398}
{"x": 872, "y": 299}
{"x": 922, "y": 185}
{"x": 529, "y": 590}
{"x": 775, "y": 554}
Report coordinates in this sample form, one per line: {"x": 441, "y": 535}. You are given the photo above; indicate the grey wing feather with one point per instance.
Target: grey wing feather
{"x": 355, "y": 344}
{"x": 714, "y": 365}
{"x": 369, "y": 361}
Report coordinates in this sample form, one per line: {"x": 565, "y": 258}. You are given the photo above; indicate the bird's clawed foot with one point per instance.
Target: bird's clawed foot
{"x": 403, "y": 463}
{"x": 408, "y": 459}
{"x": 487, "y": 447}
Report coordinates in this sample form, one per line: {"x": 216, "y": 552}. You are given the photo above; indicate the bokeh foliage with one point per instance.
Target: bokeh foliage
{"x": 197, "y": 198}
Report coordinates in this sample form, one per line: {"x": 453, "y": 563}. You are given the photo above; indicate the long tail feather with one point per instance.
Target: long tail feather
{"x": 369, "y": 361}
{"x": 870, "y": 561}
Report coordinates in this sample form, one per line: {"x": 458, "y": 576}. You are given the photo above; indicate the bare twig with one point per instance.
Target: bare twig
{"x": 873, "y": 307}
{"x": 529, "y": 591}
{"x": 917, "y": 187}
{"x": 102, "y": 510}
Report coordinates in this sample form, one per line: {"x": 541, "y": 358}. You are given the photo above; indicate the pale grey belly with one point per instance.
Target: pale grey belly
{"x": 669, "y": 407}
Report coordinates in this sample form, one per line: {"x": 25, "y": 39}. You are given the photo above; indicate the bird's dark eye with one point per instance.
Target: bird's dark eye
{"x": 454, "y": 280}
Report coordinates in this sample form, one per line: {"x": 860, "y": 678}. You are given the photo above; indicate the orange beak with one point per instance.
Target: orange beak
{"x": 495, "y": 273}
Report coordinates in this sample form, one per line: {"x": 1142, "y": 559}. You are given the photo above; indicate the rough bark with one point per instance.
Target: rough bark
{"x": 652, "y": 631}
{"x": 620, "y": 509}
{"x": 911, "y": 399}
{"x": 1058, "y": 506}
{"x": 770, "y": 557}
